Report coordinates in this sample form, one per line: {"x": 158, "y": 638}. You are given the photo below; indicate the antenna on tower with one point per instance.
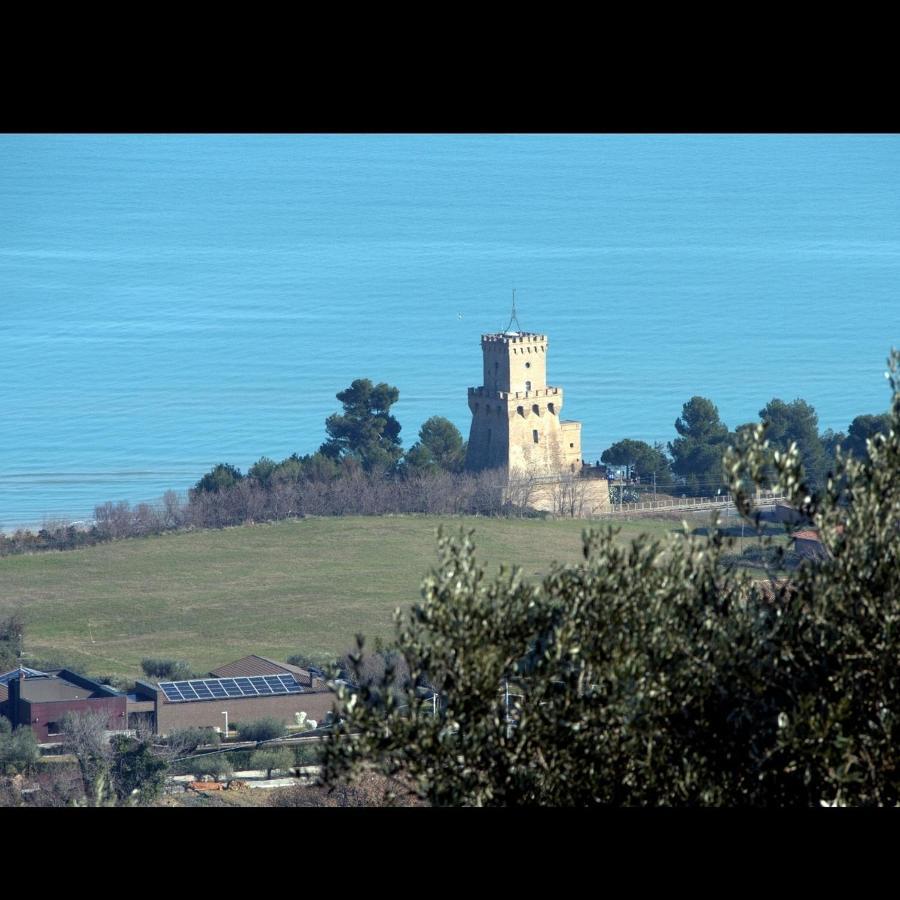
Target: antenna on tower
{"x": 514, "y": 317}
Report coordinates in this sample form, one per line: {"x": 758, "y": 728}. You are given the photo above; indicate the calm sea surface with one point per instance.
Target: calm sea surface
{"x": 170, "y": 302}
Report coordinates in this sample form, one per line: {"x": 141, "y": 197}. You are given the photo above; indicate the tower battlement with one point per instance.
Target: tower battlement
{"x": 513, "y": 337}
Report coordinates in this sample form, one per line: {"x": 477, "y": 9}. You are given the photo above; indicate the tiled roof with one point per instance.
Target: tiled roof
{"x": 251, "y": 665}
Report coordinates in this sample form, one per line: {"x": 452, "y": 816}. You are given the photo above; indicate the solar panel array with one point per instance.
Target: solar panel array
{"x": 220, "y": 688}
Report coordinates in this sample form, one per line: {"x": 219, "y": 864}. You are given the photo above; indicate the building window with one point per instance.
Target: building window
{"x": 528, "y": 365}
{"x": 552, "y": 409}
{"x": 534, "y": 434}
{"x": 571, "y": 445}
{"x": 53, "y": 728}
{"x": 521, "y": 411}
{"x": 527, "y": 385}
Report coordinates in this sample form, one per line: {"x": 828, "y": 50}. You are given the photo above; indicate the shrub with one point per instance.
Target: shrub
{"x": 261, "y": 730}
{"x": 301, "y": 660}
{"x": 167, "y": 669}
{"x": 272, "y": 758}
{"x": 18, "y": 748}
{"x": 214, "y": 764}
{"x": 187, "y": 740}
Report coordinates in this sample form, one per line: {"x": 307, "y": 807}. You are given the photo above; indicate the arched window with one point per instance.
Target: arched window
{"x": 534, "y": 434}
{"x": 536, "y": 409}
{"x": 527, "y": 385}
{"x": 521, "y": 411}
{"x": 552, "y": 409}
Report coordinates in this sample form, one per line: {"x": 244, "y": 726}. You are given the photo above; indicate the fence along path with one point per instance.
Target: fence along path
{"x": 763, "y": 499}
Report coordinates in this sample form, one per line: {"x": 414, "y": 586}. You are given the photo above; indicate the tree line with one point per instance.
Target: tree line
{"x": 361, "y": 469}
{"x": 692, "y": 462}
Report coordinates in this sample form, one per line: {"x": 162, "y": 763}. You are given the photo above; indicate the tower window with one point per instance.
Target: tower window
{"x": 552, "y": 409}
{"x": 527, "y": 385}
{"x": 528, "y": 365}
{"x": 534, "y": 434}
{"x": 521, "y": 410}
{"x": 536, "y": 409}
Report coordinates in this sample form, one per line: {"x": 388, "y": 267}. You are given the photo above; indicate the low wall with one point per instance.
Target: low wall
{"x": 567, "y": 496}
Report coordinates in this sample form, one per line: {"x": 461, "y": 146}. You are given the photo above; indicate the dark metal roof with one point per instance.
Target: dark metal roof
{"x": 46, "y": 690}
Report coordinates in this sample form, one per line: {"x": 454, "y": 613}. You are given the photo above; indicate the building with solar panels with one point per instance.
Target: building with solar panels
{"x": 246, "y": 690}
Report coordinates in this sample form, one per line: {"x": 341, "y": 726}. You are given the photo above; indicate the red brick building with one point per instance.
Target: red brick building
{"x": 42, "y": 699}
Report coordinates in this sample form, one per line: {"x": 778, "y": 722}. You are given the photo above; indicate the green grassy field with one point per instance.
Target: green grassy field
{"x": 298, "y": 586}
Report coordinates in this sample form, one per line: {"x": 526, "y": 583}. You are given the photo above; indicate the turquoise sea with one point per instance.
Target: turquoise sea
{"x": 168, "y": 302}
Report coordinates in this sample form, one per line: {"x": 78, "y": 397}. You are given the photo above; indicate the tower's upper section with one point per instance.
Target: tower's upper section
{"x": 514, "y": 361}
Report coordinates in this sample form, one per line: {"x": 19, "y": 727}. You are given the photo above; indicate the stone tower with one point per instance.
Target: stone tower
{"x": 515, "y": 413}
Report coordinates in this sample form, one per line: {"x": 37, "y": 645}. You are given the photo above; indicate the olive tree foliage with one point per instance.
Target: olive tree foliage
{"x": 262, "y": 729}
{"x": 85, "y": 736}
{"x": 138, "y": 770}
{"x": 213, "y": 765}
{"x": 652, "y": 673}
{"x": 19, "y": 751}
{"x": 116, "y": 770}
{"x": 272, "y": 758}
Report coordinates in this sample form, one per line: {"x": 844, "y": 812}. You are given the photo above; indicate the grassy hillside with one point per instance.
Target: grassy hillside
{"x": 209, "y": 597}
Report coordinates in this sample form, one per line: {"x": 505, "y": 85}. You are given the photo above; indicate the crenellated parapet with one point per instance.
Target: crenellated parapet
{"x": 515, "y": 395}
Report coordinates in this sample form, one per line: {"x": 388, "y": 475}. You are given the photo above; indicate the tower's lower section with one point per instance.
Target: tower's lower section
{"x": 522, "y": 432}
